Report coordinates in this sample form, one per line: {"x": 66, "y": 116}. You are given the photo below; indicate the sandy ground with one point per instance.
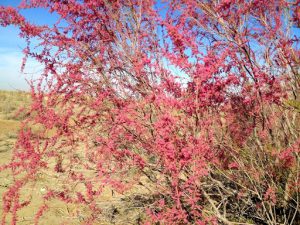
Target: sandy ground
{"x": 115, "y": 209}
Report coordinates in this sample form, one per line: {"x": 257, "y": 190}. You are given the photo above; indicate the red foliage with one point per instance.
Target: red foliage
{"x": 188, "y": 94}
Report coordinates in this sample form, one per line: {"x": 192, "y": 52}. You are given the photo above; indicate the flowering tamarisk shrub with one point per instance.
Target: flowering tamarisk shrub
{"x": 193, "y": 96}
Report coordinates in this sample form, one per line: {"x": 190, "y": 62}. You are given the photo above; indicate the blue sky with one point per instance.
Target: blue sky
{"x": 10, "y": 55}
{"x": 11, "y": 47}
{"x": 11, "y": 50}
